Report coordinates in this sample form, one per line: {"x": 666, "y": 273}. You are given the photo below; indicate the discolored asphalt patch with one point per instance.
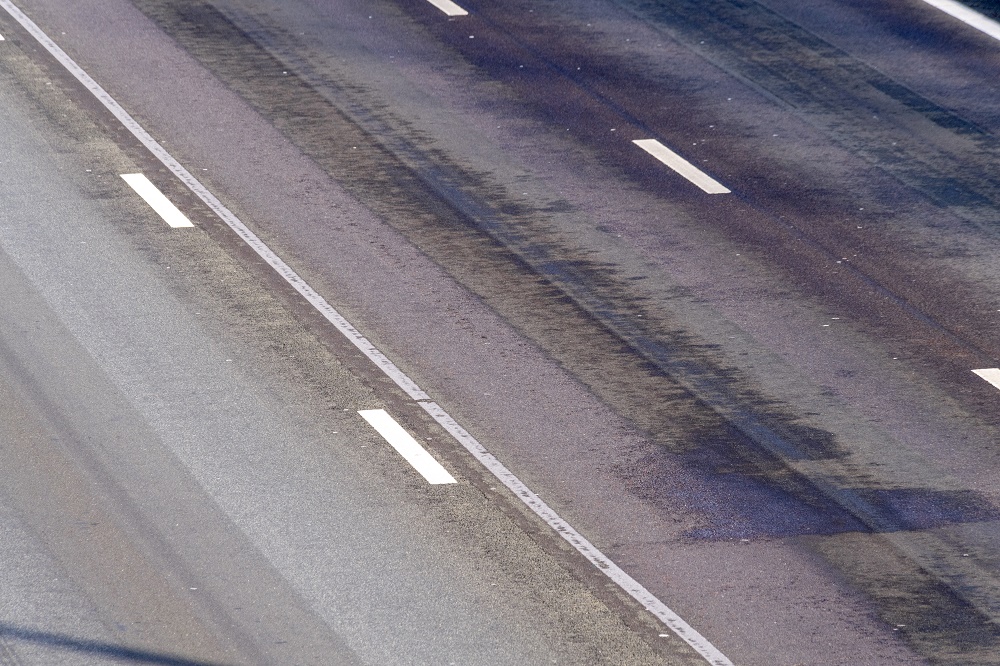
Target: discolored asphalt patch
{"x": 741, "y": 444}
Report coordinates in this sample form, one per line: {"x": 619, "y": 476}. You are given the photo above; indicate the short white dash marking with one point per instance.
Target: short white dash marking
{"x": 156, "y": 200}
{"x": 407, "y": 447}
{"x": 505, "y": 476}
{"x": 681, "y": 166}
{"x": 967, "y": 16}
{"x": 1, "y": 38}
{"x": 449, "y": 7}
{"x": 992, "y": 375}
{"x": 682, "y": 629}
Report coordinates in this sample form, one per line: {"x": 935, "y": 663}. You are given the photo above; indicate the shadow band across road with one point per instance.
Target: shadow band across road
{"x": 14, "y": 634}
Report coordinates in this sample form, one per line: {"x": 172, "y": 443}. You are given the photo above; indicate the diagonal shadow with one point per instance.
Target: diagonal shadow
{"x": 108, "y": 650}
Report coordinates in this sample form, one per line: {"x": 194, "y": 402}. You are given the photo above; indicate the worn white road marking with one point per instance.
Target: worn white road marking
{"x": 145, "y": 189}
{"x": 968, "y": 16}
{"x": 632, "y": 587}
{"x": 992, "y": 375}
{"x": 406, "y": 446}
{"x": 681, "y": 166}
{"x": 636, "y": 590}
{"x": 449, "y": 7}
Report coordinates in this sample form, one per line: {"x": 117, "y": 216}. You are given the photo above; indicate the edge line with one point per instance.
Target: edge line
{"x": 632, "y": 587}
{"x": 226, "y": 215}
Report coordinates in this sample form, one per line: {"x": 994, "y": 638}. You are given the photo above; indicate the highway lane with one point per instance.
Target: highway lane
{"x": 187, "y": 478}
{"x": 843, "y": 419}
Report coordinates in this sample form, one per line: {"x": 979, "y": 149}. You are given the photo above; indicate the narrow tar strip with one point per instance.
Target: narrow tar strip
{"x": 608, "y": 568}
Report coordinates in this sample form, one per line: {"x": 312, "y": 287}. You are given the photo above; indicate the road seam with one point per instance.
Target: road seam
{"x": 629, "y": 585}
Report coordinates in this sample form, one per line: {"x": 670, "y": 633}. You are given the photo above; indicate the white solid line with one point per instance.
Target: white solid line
{"x": 681, "y": 166}
{"x": 686, "y": 632}
{"x": 226, "y": 215}
{"x": 145, "y": 189}
{"x": 406, "y": 446}
{"x": 449, "y": 7}
{"x": 619, "y": 577}
{"x": 968, "y": 16}
{"x": 992, "y": 375}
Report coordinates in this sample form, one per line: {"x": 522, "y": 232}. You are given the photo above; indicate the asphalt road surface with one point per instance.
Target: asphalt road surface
{"x": 705, "y": 398}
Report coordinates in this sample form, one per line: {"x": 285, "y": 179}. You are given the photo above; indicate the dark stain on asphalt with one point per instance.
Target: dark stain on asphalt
{"x": 742, "y": 448}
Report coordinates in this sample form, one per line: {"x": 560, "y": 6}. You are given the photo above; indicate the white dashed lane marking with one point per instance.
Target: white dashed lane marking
{"x": 145, "y": 189}
{"x": 406, "y": 446}
{"x": 566, "y": 531}
{"x": 967, "y": 16}
{"x": 682, "y": 166}
{"x": 992, "y": 375}
{"x": 449, "y": 7}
